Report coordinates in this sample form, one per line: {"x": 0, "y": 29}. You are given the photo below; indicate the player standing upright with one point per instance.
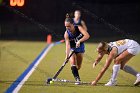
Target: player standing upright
{"x": 77, "y": 19}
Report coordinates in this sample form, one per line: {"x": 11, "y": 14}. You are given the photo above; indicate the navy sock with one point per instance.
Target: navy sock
{"x": 75, "y": 72}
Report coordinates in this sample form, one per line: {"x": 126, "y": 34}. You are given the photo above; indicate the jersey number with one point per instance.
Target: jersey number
{"x": 120, "y": 42}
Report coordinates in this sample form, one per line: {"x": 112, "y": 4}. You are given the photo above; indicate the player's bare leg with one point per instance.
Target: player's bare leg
{"x": 131, "y": 71}
{"x": 79, "y": 60}
{"x": 124, "y": 57}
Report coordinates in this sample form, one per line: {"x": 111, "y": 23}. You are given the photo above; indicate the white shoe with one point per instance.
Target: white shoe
{"x": 111, "y": 83}
{"x": 77, "y": 82}
{"x": 137, "y": 82}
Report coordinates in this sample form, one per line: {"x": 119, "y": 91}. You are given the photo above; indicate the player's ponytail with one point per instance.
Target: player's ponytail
{"x": 68, "y": 19}
{"x": 67, "y": 15}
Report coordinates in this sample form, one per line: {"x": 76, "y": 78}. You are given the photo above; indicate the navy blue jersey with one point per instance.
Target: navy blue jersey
{"x": 78, "y": 23}
{"x": 74, "y": 38}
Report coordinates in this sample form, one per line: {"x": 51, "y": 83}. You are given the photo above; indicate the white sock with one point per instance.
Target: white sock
{"x": 130, "y": 70}
{"x": 138, "y": 75}
{"x": 116, "y": 69}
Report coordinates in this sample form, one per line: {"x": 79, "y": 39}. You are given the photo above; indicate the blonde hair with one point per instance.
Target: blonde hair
{"x": 102, "y": 46}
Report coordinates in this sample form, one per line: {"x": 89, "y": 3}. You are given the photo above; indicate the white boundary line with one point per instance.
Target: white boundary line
{"x": 16, "y": 86}
{"x": 32, "y": 70}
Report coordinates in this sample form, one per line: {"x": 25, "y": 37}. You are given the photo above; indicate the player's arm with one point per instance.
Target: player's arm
{"x": 85, "y": 33}
{"x": 84, "y": 25}
{"x": 98, "y": 59}
{"x": 84, "y": 38}
{"x": 67, "y": 44}
{"x": 107, "y": 64}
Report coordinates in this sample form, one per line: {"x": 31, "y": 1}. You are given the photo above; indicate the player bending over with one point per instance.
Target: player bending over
{"x": 121, "y": 52}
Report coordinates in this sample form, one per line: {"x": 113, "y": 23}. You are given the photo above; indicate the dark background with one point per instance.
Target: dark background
{"x": 106, "y": 19}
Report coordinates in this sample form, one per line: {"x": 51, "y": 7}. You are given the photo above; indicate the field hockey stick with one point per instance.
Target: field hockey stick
{"x": 63, "y": 65}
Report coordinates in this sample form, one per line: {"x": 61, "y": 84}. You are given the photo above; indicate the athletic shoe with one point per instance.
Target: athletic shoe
{"x": 137, "y": 82}
{"x": 78, "y": 82}
{"x": 111, "y": 83}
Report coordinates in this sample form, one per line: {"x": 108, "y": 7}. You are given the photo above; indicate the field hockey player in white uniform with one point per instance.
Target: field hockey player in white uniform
{"x": 121, "y": 52}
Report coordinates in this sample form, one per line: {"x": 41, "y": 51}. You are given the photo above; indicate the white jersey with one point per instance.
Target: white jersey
{"x": 132, "y": 46}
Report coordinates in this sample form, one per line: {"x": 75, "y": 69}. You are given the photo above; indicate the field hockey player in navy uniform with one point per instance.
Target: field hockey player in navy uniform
{"x": 74, "y": 39}
{"x": 77, "y": 19}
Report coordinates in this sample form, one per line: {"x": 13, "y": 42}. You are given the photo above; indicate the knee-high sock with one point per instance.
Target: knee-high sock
{"x": 130, "y": 70}
{"x": 116, "y": 69}
{"x": 75, "y": 72}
